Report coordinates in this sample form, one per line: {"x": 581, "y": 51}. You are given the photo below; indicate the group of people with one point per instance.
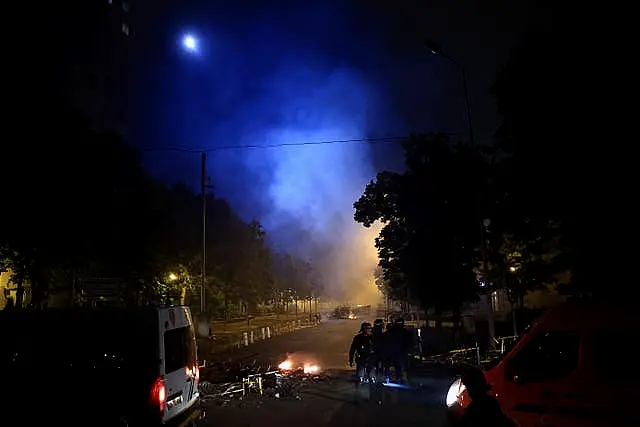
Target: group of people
{"x": 374, "y": 351}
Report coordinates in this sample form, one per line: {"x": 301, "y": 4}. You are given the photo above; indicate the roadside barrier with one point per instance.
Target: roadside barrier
{"x": 224, "y": 342}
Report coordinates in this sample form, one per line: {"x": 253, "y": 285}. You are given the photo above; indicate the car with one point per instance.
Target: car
{"x": 108, "y": 367}
{"x": 575, "y": 367}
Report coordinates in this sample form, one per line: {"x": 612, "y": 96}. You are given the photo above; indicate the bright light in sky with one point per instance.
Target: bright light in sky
{"x": 190, "y": 43}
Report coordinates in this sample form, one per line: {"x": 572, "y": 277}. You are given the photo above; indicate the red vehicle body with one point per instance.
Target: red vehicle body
{"x": 576, "y": 367}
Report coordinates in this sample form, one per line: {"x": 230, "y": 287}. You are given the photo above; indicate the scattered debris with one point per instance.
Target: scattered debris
{"x": 285, "y": 383}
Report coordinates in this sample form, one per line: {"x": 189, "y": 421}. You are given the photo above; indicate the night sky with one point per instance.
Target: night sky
{"x": 281, "y": 72}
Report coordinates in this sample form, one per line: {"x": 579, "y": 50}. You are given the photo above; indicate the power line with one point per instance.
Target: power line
{"x": 383, "y": 140}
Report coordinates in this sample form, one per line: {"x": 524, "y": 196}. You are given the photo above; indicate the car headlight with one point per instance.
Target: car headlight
{"x": 454, "y": 391}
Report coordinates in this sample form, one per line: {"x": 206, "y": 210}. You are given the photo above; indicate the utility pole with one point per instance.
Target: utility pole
{"x": 485, "y": 276}
{"x": 467, "y": 104}
{"x": 203, "y": 188}
{"x": 483, "y": 240}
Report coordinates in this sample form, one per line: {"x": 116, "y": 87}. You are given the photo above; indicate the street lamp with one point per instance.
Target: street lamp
{"x": 190, "y": 43}
{"x": 435, "y": 49}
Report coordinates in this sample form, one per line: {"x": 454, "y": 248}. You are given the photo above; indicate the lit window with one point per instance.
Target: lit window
{"x": 125, "y": 28}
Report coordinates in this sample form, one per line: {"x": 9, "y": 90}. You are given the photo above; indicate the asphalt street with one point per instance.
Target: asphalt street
{"x": 332, "y": 400}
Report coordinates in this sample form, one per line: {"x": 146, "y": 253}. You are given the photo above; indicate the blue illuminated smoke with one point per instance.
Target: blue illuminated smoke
{"x": 304, "y": 194}
{"x": 282, "y": 76}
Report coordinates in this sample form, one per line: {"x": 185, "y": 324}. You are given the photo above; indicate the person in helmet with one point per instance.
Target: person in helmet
{"x": 362, "y": 352}
{"x": 484, "y": 409}
{"x": 399, "y": 343}
{"x": 380, "y": 347}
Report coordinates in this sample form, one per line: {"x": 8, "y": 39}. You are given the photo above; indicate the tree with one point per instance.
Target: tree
{"x": 72, "y": 212}
{"x": 384, "y": 287}
{"x": 173, "y": 286}
{"x": 84, "y": 208}
{"x": 316, "y": 282}
{"x": 427, "y": 246}
{"x": 296, "y": 279}
{"x": 256, "y": 273}
{"x": 309, "y": 284}
{"x": 239, "y": 264}
{"x": 546, "y": 179}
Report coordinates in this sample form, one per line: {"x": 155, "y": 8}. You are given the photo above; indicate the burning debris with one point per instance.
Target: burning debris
{"x": 287, "y": 365}
{"x": 256, "y": 383}
{"x": 306, "y": 367}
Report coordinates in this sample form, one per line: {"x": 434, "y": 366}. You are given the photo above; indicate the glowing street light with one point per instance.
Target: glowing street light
{"x": 172, "y": 277}
{"x": 190, "y": 43}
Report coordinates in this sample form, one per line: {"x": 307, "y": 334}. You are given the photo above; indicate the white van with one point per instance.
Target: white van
{"x": 111, "y": 366}
{"x": 577, "y": 366}
{"x": 179, "y": 372}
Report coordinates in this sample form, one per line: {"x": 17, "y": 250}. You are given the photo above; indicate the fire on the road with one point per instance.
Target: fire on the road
{"x": 311, "y": 369}
{"x": 287, "y": 365}
{"x": 302, "y": 362}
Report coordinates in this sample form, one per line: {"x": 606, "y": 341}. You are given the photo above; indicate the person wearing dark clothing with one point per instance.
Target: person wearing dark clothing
{"x": 362, "y": 352}
{"x": 483, "y": 410}
{"x": 379, "y": 344}
{"x": 399, "y": 345}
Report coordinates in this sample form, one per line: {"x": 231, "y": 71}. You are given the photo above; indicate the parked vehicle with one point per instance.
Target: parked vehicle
{"x": 575, "y": 367}
{"x": 343, "y": 313}
{"x": 109, "y": 366}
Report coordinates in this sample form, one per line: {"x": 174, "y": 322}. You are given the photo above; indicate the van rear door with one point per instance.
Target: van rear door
{"x": 179, "y": 360}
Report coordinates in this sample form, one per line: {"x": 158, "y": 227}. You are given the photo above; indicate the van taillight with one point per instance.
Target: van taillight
{"x": 159, "y": 394}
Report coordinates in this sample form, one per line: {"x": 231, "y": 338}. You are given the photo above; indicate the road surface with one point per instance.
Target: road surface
{"x": 331, "y": 401}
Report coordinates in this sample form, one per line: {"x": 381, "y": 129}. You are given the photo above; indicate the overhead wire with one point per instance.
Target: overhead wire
{"x": 382, "y": 140}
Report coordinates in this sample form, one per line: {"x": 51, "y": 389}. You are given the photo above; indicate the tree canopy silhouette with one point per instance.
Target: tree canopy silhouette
{"x": 546, "y": 178}
{"x": 84, "y": 208}
{"x": 431, "y": 221}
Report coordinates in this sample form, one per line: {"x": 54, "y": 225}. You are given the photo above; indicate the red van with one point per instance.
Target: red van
{"x": 576, "y": 366}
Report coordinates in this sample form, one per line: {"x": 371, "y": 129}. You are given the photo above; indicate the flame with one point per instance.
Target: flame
{"x": 299, "y": 361}
{"x": 285, "y": 366}
{"x": 311, "y": 369}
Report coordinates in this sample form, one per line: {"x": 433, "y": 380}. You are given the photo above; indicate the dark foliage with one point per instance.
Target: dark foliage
{"x": 82, "y": 207}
